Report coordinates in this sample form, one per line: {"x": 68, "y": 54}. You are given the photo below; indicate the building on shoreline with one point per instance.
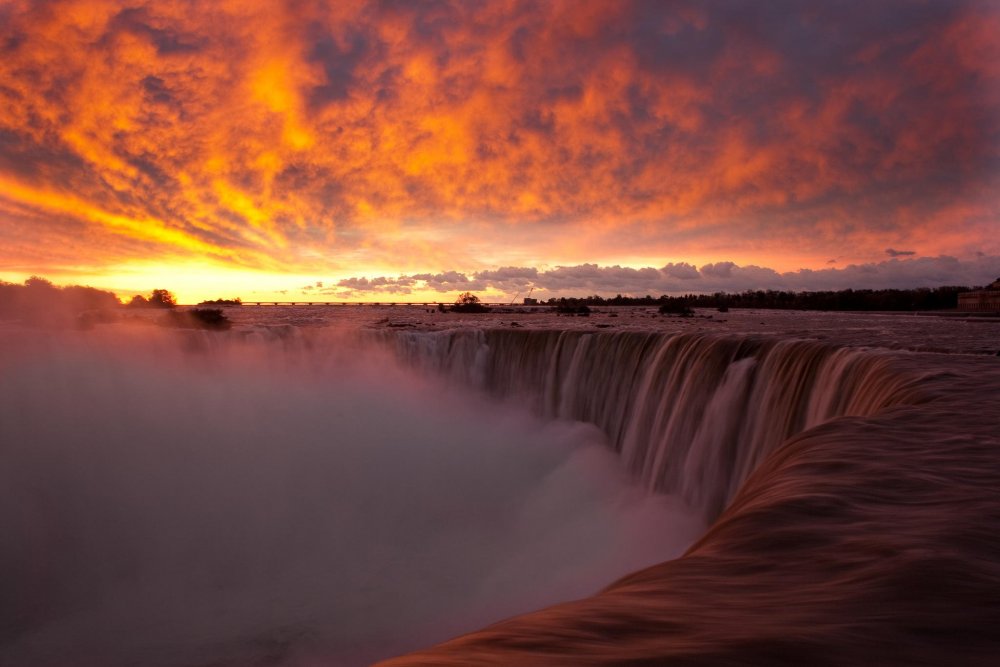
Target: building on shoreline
{"x": 984, "y": 300}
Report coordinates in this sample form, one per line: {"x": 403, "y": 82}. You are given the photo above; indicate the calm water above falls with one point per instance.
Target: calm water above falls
{"x": 928, "y": 333}
{"x": 286, "y": 494}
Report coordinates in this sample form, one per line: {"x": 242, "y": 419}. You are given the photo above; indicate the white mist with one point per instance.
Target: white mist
{"x": 204, "y": 500}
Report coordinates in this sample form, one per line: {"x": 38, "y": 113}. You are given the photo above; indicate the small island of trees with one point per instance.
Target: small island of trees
{"x": 222, "y": 302}
{"x": 197, "y": 318}
{"x": 467, "y": 302}
{"x": 194, "y": 318}
{"x": 158, "y": 298}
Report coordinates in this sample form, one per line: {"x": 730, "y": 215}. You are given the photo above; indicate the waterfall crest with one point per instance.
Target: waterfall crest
{"x": 689, "y": 414}
{"x": 866, "y": 538}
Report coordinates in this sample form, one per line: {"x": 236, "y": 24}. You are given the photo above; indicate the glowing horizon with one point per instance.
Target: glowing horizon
{"x": 241, "y": 150}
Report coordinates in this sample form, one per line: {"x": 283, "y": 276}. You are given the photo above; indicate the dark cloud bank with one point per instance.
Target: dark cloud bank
{"x": 683, "y": 278}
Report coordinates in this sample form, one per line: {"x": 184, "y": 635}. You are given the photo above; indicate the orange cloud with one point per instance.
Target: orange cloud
{"x": 313, "y": 136}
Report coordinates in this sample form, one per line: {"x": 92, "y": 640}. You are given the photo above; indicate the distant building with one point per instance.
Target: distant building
{"x": 986, "y": 300}
{"x": 528, "y": 301}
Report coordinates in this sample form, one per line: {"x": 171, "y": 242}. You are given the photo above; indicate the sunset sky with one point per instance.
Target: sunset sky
{"x": 412, "y": 150}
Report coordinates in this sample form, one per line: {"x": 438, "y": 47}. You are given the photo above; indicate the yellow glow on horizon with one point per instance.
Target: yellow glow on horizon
{"x": 193, "y": 282}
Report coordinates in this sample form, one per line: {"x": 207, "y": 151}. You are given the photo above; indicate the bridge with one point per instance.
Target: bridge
{"x": 362, "y": 304}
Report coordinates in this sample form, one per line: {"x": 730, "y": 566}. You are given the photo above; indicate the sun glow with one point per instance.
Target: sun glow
{"x": 369, "y": 140}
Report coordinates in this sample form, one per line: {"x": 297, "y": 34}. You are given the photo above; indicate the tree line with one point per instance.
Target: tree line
{"x": 924, "y": 298}
{"x": 39, "y": 302}
{"x": 39, "y": 299}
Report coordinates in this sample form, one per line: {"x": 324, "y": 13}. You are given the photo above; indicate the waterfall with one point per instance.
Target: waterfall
{"x": 276, "y": 494}
{"x": 688, "y": 413}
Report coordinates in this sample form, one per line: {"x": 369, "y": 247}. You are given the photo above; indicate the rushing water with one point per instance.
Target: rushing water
{"x": 287, "y": 493}
{"x": 688, "y": 413}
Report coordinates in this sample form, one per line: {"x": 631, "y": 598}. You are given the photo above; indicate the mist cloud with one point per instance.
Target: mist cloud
{"x": 291, "y": 500}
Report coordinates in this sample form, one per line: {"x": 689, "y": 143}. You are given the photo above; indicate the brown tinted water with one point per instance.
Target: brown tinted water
{"x": 785, "y": 488}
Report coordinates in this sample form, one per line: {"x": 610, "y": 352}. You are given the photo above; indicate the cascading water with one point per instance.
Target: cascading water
{"x": 284, "y": 496}
{"x": 689, "y": 414}
{"x": 859, "y": 490}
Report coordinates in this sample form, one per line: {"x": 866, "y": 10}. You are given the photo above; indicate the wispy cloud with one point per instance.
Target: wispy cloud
{"x": 317, "y": 135}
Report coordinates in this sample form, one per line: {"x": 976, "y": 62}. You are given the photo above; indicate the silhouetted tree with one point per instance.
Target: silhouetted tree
{"x": 467, "y": 302}
{"x": 37, "y": 283}
{"x": 161, "y": 298}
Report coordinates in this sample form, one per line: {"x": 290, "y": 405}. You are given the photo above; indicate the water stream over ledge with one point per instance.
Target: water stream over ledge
{"x": 289, "y": 495}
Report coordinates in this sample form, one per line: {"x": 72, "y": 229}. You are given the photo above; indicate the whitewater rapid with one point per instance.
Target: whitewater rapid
{"x": 303, "y": 495}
